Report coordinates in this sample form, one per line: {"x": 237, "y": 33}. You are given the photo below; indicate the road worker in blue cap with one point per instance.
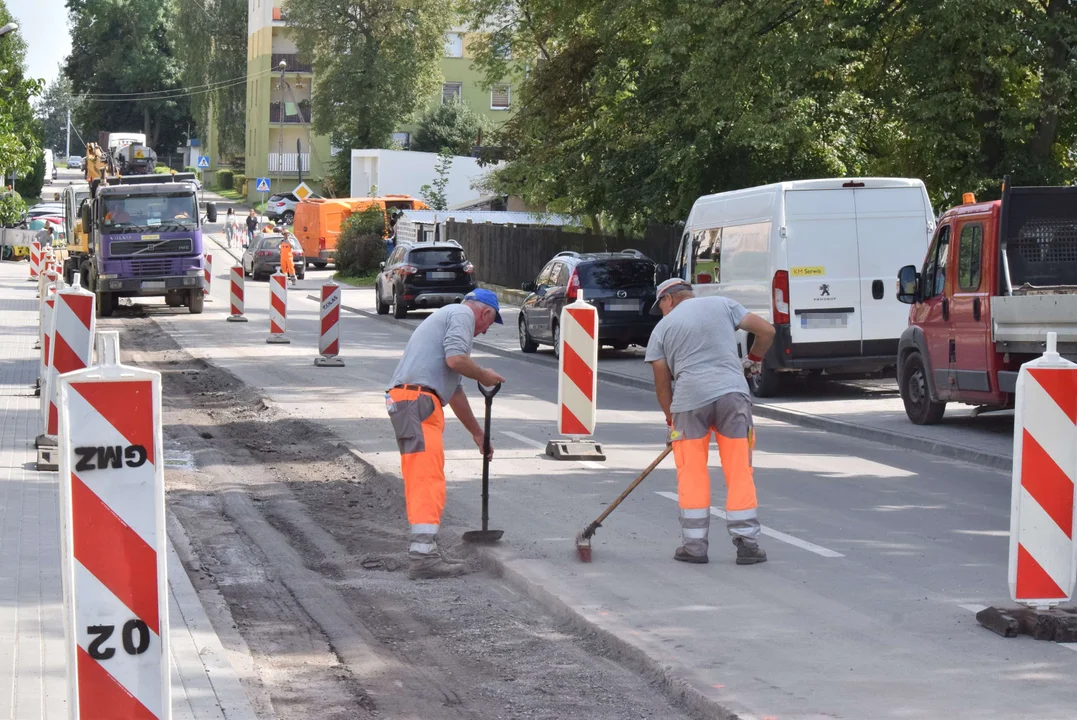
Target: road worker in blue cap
{"x": 429, "y": 376}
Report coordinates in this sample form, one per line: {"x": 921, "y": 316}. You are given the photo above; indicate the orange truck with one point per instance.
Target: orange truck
{"x": 317, "y": 222}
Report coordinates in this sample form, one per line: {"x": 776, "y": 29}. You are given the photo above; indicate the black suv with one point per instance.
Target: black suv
{"x": 621, "y": 285}
{"x": 420, "y": 275}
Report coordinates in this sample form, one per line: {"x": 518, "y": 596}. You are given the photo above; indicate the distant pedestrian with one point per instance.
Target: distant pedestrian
{"x": 694, "y": 345}
{"x": 231, "y": 226}
{"x": 287, "y": 259}
{"x": 252, "y": 225}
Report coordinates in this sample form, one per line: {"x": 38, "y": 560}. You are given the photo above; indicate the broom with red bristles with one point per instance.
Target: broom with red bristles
{"x": 583, "y": 540}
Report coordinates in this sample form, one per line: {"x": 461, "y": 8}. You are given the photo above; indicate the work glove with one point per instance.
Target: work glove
{"x": 751, "y": 366}
{"x": 671, "y": 434}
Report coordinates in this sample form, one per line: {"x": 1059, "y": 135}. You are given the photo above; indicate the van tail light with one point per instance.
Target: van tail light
{"x": 780, "y": 294}
{"x": 321, "y": 243}
{"x": 573, "y": 286}
{"x": 468, "y": 267}
{"x": 409, "y": 269}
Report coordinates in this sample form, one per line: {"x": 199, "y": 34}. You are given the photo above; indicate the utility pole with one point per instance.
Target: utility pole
{"x": 299, "y": 159}
{"x": 280, "y": 108}
{"x": 68, "y": 151}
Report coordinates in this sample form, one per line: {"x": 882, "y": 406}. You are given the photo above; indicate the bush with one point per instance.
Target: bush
{"x": 30, "y": 185}
{"x": 238, "y": 181}
{"x": 225, "y": 177}
{"x": 162, "y": 170}
{"x": 190, "y": 169}
{"x": 361, "y": 245}
{"x": 12, "y": 208}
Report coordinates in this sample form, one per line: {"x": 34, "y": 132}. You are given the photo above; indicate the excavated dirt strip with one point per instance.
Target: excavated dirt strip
{"x": 296, "y": 547}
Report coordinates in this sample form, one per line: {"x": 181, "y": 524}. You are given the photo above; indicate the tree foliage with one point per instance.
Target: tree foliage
{"x": 211, "y": 45}
{"x": 20, "y": 134}
{"x": 453, "y": 125}
{"x": 51, "y": 109}
{"x": 627, "y": 110}
{"x": 434, "y": 194}
{"x": 377, "y": 62}
{"x": 361, "y": 245}
{"x": 123, "y": 56}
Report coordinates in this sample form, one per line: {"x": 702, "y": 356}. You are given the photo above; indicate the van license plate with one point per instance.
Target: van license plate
{"x": 631, "y": 306}
{"x": 440, "y": 275}
{"x": 153, "y": 285}
{"x": 822, "y": 321}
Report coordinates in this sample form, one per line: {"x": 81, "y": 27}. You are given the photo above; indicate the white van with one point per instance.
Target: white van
{"x": 819, "y": 259}
{"x": 50, "y": 167}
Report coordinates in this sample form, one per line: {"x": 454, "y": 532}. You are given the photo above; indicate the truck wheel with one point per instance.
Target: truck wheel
{"x": 767, "y": 383}
{"x": 106, "y": 303}
{"x": 319, "y": 265}
{"x": 288, "y": 217}
{"x": 198, "y": 301}
{"x": 916, "y": 392}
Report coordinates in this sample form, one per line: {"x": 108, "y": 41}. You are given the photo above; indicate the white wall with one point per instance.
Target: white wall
{"x": 401, "y": 172}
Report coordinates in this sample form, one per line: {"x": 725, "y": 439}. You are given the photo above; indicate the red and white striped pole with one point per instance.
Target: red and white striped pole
{"x": 35, "y": 259}
{"x": 207, "y": 270}
{"x": 278, "y": 309}
{"x": 1043, "y": 554}
{"x": 114, "y": 543}
{"x": 329, "y": 339}
{"x": 235, "y": 278}
{"x": 577, "y": 383}
{"x": 71, "y": 346}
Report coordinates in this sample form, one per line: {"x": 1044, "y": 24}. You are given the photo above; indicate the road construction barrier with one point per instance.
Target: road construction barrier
{"x": 207, "y": 270}
{"x": 43, "y": 269}
{"x": 577, "y": 382}
{"x": 278, "y": 308}
{"x": 49, "y": 279}
{"x": 329, "y": 339}
{"x": 235, "y": 292}
{"x": 1043, "y": 554}
{"x": 72, "y": 343}
{"x": 114, "y": 543}
{"x": 35, "y": 259}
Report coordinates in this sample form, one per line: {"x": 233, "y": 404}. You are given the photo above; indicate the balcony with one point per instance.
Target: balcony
{"x": 301, "y": 116}
{"x": 292, "y": 61}
{"x": 288, "y": 162}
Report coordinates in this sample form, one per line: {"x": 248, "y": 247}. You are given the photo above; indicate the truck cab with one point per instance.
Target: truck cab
{"x": 997, "y": 277}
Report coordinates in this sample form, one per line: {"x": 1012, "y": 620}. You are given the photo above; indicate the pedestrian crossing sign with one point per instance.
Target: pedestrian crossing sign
{"x": 203, "y": 161}
{"x": 262, "y": 185}
{"x": 302, "y": 191}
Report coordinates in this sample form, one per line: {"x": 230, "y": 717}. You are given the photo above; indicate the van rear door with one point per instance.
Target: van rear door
{"x": 823, "y": 264}
{"x": 893, "y": 228}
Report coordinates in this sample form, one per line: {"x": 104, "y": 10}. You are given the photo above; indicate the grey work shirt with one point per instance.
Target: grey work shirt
{"x": 447, "y": 332}
{"x": 698, "y": 341}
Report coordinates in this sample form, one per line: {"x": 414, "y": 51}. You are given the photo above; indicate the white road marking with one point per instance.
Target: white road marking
{"x": 592, "y": 465}
{"x": 524, "y": 439}
{"x": 776, "y": 534}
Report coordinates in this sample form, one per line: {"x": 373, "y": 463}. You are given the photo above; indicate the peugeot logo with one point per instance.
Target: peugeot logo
{"x": 622, "y": 294}
{"x": 824, "y": 290}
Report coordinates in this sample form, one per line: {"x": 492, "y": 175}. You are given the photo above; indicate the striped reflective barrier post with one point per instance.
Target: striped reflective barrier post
{"x": 278, "y": 309}
{"x": 329, "y": 318}
{"x": 207, "y": 271}
{"x": 577, "y": 383}
{"x": 235, "y": 292}
{"x": 35, "y": 260}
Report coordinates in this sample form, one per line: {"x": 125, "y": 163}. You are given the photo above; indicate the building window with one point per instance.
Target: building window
{"x": 499, "y": 97}
{"x": 454, "y": 45}
{"x": 450, "y": 92}
{"x": 402, "y": 139}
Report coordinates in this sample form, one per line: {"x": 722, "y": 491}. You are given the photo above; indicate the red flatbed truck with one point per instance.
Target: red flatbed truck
{"x": 997, "y": 278}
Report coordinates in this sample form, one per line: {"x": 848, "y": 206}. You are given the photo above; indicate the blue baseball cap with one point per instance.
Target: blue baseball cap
{"x": 487, "y": 297}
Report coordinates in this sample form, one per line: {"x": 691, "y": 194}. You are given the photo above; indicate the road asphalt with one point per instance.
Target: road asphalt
{"x": 879, "y": 556}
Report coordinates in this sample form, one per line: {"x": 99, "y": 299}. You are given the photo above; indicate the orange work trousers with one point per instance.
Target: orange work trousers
{"x": 729, "y": 418}
{"x": 419, "y": 423}
{"x": 287, "y": 265}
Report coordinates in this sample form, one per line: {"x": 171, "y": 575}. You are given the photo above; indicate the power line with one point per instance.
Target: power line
{"x": 176, "y": 92}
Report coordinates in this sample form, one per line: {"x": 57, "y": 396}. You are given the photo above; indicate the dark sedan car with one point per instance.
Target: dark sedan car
{"x": 423, "y": 275}
{"x": 262, "y": 257}
{"x": 621, "y": 285}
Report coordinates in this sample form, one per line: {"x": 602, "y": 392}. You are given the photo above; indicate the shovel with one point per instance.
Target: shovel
{"x": 486, "y": 535}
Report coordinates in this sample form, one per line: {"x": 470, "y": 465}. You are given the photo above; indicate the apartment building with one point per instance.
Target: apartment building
{"x": 278, "y": 104}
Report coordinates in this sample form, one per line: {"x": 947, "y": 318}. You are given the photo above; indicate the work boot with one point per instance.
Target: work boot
{"x": 433, "y": 566}
{"x": 683, "y": 555}
{"x": 749, "y": 552}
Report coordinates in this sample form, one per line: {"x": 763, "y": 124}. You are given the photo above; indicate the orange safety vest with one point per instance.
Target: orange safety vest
{"x": 287, "y": 264}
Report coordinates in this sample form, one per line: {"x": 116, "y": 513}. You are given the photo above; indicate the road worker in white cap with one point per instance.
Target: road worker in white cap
{"x": 694, "y": 345}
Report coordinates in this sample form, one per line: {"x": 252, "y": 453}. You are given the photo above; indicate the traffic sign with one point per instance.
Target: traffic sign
{"x": 262, "y": 185}
{"x": 203, "y": 162}
{"x": 302, "y": 191}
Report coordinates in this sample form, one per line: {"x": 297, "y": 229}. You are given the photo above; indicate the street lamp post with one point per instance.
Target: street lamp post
{"x": 280, "y": 119}
{"x": 8, "y": 28}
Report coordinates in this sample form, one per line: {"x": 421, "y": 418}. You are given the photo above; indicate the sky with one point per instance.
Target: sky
{"x": 43, "y": 25}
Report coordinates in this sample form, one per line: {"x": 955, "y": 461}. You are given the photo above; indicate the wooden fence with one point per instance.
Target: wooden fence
{"x": 508, "y": 256}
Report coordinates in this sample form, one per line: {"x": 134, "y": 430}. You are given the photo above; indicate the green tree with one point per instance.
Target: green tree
{"x": 12, "y": 208}
{"x": 377, "y": 62}
{"x": 20, "y": 142}
{"x": 51, "y": 109}
{"x": 123, "y": 64}
{"x": 211, "y": 44}
{"x": 29, "y": 184}
{"x": 454, "y": 125}
{"x": 434, "y": 194}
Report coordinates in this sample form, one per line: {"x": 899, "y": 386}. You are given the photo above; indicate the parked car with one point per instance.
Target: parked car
{"x": 282, "y": 207}
{"x": 621, "y": 285}
{"x": 421, "y": 275}
{"x": 74, "y": 162}
{"x": 815, "y": 258}
{"x": 261, "y": 258}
